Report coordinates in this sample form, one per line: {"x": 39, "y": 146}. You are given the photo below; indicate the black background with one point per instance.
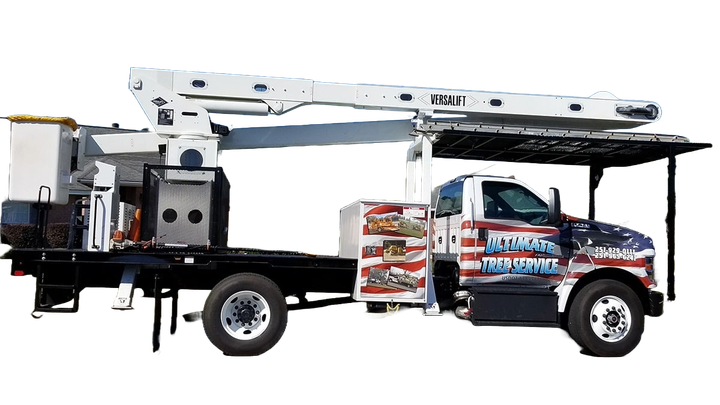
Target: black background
{"x": 307, "y": 187}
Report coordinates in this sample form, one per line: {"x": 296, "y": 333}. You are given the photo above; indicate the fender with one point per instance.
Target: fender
{"x": 582, "y": 270}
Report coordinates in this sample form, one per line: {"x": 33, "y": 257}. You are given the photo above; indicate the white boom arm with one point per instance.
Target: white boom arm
{"x": 178, "y": 102}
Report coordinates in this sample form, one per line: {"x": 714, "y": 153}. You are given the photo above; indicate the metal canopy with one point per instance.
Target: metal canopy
{"x": 600, "y": 149}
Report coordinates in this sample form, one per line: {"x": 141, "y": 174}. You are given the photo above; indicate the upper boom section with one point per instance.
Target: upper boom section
{"x": 178, "y": 102}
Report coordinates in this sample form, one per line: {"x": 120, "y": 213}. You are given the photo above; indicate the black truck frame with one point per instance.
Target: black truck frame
{"x": 61, "y": 274}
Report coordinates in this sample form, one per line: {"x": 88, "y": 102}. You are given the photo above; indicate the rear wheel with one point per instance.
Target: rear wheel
{"x": 607, "y": 318}
{"x": 245, "y": 315}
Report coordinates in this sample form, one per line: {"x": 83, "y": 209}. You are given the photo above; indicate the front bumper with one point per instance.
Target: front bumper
{"x": 656, "y": 302}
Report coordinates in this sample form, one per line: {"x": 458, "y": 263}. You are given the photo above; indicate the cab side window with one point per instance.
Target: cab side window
{"x": 512, "y": 201}
{"x": 450, "y": 200}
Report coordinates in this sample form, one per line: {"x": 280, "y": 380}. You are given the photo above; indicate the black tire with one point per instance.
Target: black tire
{"x": 245, "y": 315}
{"x": 607, "y": 318}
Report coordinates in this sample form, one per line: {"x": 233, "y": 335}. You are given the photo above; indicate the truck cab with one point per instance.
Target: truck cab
{"x": 499, "y": 248}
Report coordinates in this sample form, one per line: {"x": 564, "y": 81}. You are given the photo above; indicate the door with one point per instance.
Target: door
{"x": 515, "y": 244}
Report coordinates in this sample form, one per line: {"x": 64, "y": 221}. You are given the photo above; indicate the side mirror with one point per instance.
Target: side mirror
{"x": 554, "y": 215}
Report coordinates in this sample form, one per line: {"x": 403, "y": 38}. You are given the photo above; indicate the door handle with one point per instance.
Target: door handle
{"x": 483, "y": 234}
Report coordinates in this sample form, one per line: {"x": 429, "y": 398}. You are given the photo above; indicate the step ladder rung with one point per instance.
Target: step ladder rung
{"x": 55, "y": 309}
{"x": 58, "y": 286}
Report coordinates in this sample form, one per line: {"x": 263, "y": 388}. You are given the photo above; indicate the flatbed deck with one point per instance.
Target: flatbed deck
{"x": 295, "y": 273}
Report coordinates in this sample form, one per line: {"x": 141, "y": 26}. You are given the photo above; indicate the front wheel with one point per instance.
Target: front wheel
{"x": 607, "y": 318}
{"x": 245, "y": 315}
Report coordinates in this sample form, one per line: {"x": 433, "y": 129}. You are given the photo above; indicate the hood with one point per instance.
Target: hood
{"x": 599, "y": 235}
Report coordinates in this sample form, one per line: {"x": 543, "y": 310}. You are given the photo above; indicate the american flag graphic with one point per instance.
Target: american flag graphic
{"x": 601, "y": 245}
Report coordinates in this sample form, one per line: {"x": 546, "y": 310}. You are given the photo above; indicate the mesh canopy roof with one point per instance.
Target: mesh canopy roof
{"x": 553, "y": 146}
